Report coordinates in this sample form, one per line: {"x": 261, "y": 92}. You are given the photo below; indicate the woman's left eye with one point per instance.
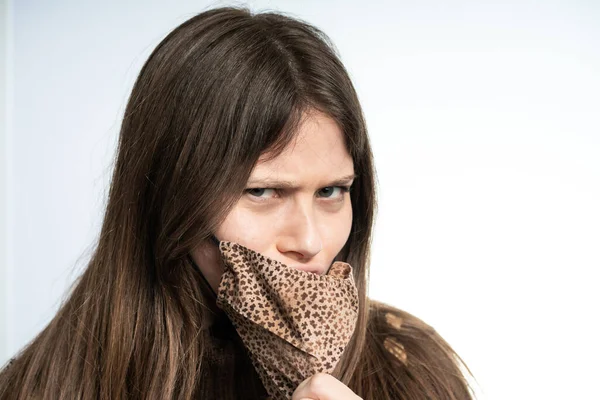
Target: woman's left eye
{"x": 327, "y": 192}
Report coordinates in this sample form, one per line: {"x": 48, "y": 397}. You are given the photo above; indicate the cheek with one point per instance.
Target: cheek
{"x": 247, "y": 228}
{"x": 336, "y": 230}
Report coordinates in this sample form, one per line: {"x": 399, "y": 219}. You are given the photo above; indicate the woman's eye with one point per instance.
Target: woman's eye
{"x": 258, "y": 192}
{"x": 328, "y": 192}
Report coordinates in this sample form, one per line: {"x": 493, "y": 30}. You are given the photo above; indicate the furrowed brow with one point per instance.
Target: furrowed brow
{"x": 274, "y": 183}
{"x": 342, "y": 180}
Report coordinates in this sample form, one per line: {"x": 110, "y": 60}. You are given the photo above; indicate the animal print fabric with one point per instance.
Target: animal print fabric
{"x": 293, "y": 323}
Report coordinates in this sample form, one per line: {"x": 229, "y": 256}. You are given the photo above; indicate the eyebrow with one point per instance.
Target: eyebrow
{"x": 274, "y": 183}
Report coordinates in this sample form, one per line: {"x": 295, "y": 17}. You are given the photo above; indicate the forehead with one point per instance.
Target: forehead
{"x": 317, "y": 151}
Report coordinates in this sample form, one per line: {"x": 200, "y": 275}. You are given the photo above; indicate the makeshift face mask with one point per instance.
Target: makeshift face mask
{"x": 293, "y": 323}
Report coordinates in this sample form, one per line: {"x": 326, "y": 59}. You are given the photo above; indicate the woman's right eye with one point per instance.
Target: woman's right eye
{"x": 259, "y": 192}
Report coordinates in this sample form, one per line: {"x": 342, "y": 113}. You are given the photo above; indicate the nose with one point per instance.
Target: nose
{"x": 300, "y": 239}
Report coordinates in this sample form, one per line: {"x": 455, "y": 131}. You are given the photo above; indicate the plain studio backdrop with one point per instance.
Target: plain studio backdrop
{"x": 485, "y": 124}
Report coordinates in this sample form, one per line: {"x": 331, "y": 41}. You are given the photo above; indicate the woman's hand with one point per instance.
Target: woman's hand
{"x": 323, "y": 386}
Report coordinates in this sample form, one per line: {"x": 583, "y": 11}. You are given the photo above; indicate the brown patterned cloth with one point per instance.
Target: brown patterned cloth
{"x": 293, "y": 323}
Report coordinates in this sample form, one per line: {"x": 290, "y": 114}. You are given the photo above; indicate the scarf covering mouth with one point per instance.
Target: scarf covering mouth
{"x": 293, "y": 323}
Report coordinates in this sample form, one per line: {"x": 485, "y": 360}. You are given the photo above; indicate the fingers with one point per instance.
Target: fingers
{"x": 323, "y": 387}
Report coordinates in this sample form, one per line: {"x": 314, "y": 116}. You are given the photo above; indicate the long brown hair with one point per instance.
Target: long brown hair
{"x": 218, "y": 92}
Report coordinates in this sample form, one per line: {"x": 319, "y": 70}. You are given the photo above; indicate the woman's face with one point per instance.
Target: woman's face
{"x": 296, "y": 208}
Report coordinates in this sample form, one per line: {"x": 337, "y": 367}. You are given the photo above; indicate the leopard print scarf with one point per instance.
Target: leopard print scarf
{"x": 293, "y": 323}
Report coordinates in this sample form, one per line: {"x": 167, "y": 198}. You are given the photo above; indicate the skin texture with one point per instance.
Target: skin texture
{"x": 303, "y": 226}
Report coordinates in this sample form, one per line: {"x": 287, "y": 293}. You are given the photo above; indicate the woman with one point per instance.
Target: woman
{"x": 241, "y": 129}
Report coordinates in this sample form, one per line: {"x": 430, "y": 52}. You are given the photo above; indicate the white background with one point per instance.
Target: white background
{"x": 485, "y": 124}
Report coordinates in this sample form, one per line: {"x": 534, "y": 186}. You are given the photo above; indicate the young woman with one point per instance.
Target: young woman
{"x": 242, "y": 129}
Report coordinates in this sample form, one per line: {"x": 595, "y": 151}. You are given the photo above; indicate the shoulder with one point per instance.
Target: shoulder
{"x": 412, "y": 356}
{"x": 401, "y": 333}
{"x": 386, "y": 323}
